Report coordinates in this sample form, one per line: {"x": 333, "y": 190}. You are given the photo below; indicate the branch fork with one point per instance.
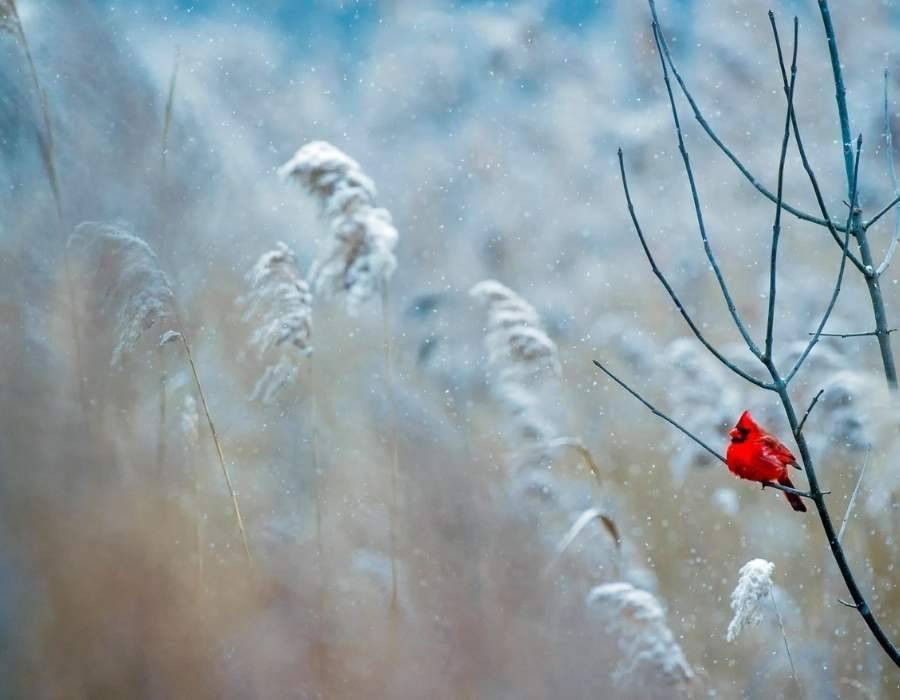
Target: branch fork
{"x": 854, "y": 227}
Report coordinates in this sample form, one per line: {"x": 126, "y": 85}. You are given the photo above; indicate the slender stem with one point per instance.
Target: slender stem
{"x": 671, "y": 421}
{"x": 892, "y": 174}
{"x": 837, "y": 285}
{"x": 161, "y": 437}
{"x": 314, "y": 439}
{"x": 668, "y": 287}
{"x": 824, "y": 516}
{"x": 812, "y": 405}
{"x": 656, "y": 412}
{"x": 395, "y": 457}
{"x": 698, "y": 115}
{"x": 840, "y": 92}
{"x": 167, "y": 118}
{"x": 323, "y": 661}
{"x": 732, "y": 308}
{"x": 575, "y": 444}
{"x": 854, "y": 335}
{"x": 862, "y": 473}
{"x": 48, "y": 157}
{"x": 807, "y": 166}
{"x": 781, "y": 384}
{"x": 215, "y": 437}
{"x": 787, "y": 647}
{"x": 865, "y": 253}
{"x": 776, "y": 227}
{"x": 890, "y": 205}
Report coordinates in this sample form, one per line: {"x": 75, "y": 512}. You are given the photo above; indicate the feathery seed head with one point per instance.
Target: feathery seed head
{"x": 280, "y": 299}
{"x": 524, "y": 361}
{"x": 360, "y": 257}
{"x": 516, "y": 343}
{"x": 133, "y": 292}
{"x": 753, "y": 588}
{"x": 649, "y": 650}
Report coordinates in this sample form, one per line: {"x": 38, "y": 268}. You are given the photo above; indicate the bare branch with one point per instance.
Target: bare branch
{"x": 696, "y": 200}
{"x": 820, "y": 200}
{"x": 786, "y": 489}
{"x": 855, "y": 335}
{"x": 892, "y": 173}
{"x": 837, "y": 285}
{"x": 862, "y": 473}
{"x": 882, "y": 212}
{"x": 668, "y": 287}
{"x": 812, "y": 405}
{"x": 776, "y": 227}
{"x": 656, "y": 412}
{"x": 698, "y": 115}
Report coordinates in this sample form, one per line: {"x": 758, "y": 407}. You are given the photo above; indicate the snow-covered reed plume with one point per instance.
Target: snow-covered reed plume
{"x": 753, "y": 589}
{"x": 650, "y": 655}
{"x": 131, "y": 289}
{"x": 281, "y": 301}
{"x": 523, "y": 360}
{"x": 359, "y": 259}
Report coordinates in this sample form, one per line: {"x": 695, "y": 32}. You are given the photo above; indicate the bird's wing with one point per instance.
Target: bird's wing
{"x": 772, "y": 446}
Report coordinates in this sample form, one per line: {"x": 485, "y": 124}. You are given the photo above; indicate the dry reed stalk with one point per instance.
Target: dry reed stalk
{"x": 161, "y": 436}
{"x": 134, "y": 296}
{"x": 215, "y": 438}
{"x": 167, "y": 117}
{"x": 11, "y": 23}
{"x": 190, "y": 431}
{"x": 395, "y": 455}
{"x": 358, "y": 263}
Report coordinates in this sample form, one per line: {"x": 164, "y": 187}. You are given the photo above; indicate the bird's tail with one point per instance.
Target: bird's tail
{"x": 795, "y": 500}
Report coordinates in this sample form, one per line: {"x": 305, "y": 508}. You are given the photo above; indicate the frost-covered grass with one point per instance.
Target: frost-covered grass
{"x": 490, "y": 132}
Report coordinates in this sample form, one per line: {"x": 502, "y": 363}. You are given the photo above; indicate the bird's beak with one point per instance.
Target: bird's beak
{"x": 734, "y": 433}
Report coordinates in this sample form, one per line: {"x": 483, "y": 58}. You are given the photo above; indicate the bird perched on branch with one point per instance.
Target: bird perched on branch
{"x": 755, "y": 455}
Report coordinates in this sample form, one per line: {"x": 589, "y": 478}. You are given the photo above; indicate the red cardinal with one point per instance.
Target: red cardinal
{"x": 755, "y": 455}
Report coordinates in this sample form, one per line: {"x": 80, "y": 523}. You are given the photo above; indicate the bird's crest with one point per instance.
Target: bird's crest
{"x": 746, "y": 423}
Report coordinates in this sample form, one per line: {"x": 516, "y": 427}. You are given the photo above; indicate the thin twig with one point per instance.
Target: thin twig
{"x": 892, "y": 173}
{"x": 572, "y": 443}
{"x": 890, "y": 205}
{"x": 395, "y": 458}
{"x": 161, "y": 437}
{"x": 776, "y": 227}
{"x": 698, "y": 115}
{"x": 581, "y": 522}
{"x": 671, "y": 421}
{"x": 812, "y": 405}
{"x": 215, "y": 438}
{"x": 862, "y": 473}
{"x": 732, "y": 308}
{"x": 167, "y": 118}
{"x": 837, "y": 550}
{"x": 865, "y": 253}
{"x": 837, "y": 285}
{"x": 787, "y": 647}
{"x": 854, "y": 335}
{"x": 787, "y": 489}
{"x": 668, "y": 287}
{"x": 656, "y": 412}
